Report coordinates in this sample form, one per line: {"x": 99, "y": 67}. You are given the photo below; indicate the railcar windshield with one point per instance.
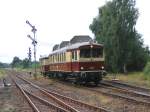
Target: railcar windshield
{"x": 91, "y": 53}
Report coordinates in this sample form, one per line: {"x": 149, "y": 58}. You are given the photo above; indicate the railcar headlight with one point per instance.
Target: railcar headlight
{"x": 102, "y": 67}
{"x": 82, "y": 68}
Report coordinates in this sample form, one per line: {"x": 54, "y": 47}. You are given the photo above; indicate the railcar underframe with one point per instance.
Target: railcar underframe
{"x": 79, "y": 77}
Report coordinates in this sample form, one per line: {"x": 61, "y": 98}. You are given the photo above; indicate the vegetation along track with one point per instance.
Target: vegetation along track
{"x": 64, "y": 102}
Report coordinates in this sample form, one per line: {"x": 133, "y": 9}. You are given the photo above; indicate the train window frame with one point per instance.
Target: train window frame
{"x": 72, "y": 55}
{"x": 64, "y": 57}
{"x": 55, "y": 57}
{"x": 60, "y": 57}
{"x": 99, "y": 53}
{"x": 86, "y": 53}
{"x": 50, "y": 59}
{"x": 75, "y": 58}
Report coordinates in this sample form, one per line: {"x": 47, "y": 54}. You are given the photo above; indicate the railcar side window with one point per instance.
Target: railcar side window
{"x": 72, "y": 55}
{"x": 60, "y": 57}
{"x": 75, "y": 52}
{"x": 64, "y": 57}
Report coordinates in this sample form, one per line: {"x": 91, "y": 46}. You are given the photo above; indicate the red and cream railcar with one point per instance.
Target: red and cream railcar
{"x": 84, "y": 61}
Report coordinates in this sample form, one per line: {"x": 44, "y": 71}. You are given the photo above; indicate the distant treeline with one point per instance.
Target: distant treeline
{"x": 25, "y": 63}
{"x": 4, "y": 65}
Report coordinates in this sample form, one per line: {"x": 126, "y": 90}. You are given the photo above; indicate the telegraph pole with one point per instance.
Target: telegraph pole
{"x": 34, "y": 42}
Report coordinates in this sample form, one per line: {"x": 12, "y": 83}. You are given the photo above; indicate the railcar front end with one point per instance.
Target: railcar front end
{"x": 88, "y": 63}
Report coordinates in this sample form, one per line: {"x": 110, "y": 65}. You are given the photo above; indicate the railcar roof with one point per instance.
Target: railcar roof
{"x": 80, "y": 38}
{"x": 43, "y": 58}
{"x": 55, "y": 47}
{"x": 73, "y": 46}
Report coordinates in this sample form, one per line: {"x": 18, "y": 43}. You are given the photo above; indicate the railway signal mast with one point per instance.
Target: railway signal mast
{"x": 29, "y": 55}
{"x": 34, "y": 42}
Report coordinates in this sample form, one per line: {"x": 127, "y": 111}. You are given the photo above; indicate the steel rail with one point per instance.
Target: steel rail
{"x": 126, "y": 90}
{"x": 57, "y": 108}
{"x": 120, "y": 96}
{"x": 115, "y": 95}
{"x": 128, "y": 85}
{"x": 51, "y": 96}
{"x": 26, "y": 96}
{"x": 96, "y": 109}
{"x": 100, "y": 109}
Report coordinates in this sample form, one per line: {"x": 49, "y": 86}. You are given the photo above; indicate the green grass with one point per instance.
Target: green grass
{"x": 2, "y": 73}
{"x": 136, "y": 78}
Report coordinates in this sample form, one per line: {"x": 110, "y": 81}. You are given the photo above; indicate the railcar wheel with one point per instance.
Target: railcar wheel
{"x": 44, "y": 74}
{"x": 78, "y": 79}
{"x": 96, "y": 83}
{"x": 64, "y": 77}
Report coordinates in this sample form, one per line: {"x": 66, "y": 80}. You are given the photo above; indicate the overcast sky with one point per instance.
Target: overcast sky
{"x": 55, "y": 20}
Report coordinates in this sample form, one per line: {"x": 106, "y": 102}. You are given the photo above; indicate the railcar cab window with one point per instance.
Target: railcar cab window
{"x": 97, "y": 52}
{"x": 88, "y": 52}
{"x": 85, "y": 53}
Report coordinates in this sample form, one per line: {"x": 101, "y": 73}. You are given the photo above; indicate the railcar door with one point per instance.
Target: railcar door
{"x": 74, "y": 61}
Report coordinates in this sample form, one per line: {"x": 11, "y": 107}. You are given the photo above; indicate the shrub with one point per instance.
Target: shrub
{"x": 147, "y": 69}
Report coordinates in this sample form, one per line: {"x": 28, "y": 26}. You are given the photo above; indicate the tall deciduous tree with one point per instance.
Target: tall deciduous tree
{"x": 16, "y": 62}
{"x": 115, "y": 27}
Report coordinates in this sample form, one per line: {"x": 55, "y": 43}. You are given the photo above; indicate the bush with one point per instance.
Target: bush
{"x": 147, "y": 69}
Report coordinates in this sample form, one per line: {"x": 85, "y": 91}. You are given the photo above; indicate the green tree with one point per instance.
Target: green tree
{"x": 115, "y": 27}
{"x": 147, "y": 69}
{"x": 4, "y": 65}
{"x": 25, "y": 63}
{"x": 16, "y": 62}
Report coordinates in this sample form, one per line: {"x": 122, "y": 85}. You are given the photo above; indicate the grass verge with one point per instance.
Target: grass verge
{"x": 2, "y": 73}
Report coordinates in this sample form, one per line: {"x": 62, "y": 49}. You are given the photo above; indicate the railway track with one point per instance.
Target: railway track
{"x": 118, "y": 92}
{"x": 125, "y": 97}
{"x": 118, "y": 84}
{"x": 37, "y": 103}
{"x": 121, "y": 94}
{"x": 125, "y": 91}
{"x": 63, "y": 102}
